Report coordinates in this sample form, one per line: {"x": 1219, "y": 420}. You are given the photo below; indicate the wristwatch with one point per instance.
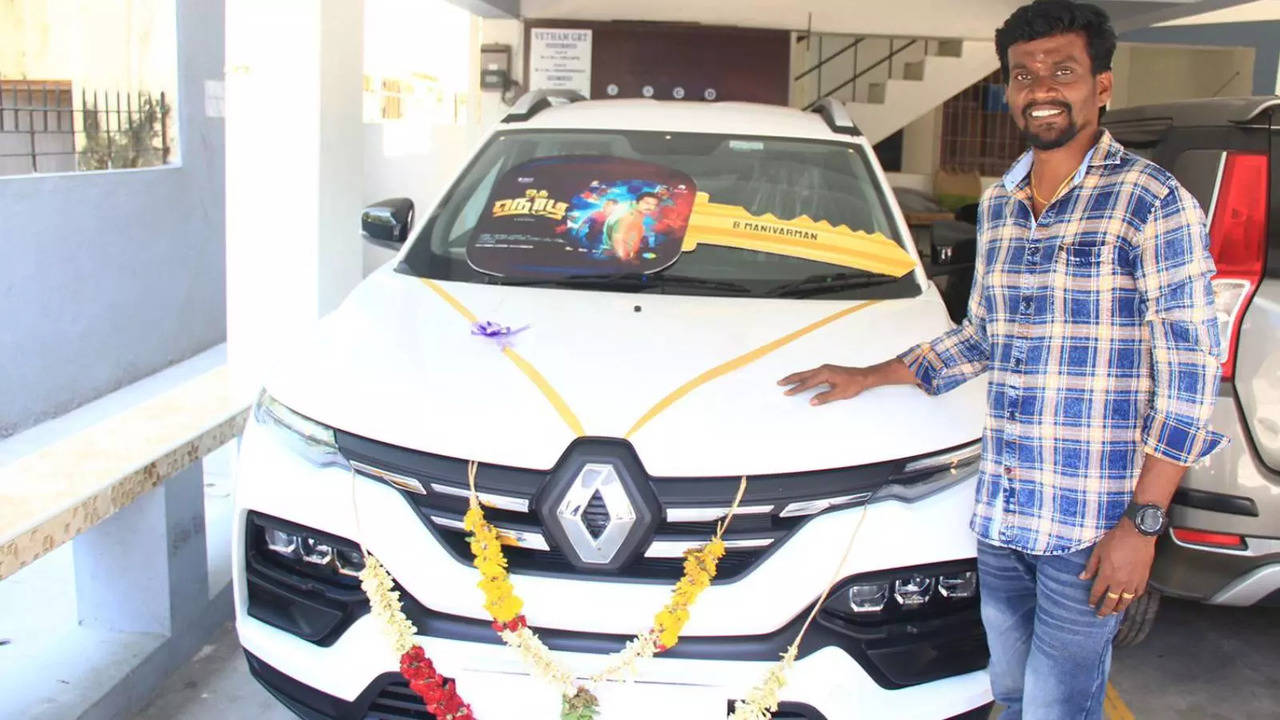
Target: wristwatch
{"x": 1151, "y": 520}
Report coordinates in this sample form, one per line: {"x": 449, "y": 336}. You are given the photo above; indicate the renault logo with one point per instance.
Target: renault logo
{"x": 596, "y": 514}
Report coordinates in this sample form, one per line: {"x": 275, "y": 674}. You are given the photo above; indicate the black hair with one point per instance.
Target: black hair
{"x": 644, "y": 195}
{"x": 1046, "y": 18}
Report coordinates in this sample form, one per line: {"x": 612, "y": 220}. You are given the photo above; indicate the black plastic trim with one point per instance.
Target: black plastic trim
{"x": 645, "y": 504}
{"x": 1215, "y": 502}
{"x": 312, "y": 608}
{"x": 789, "y": 711}
{"x": 312, "y": 704}
{"x": 672, "y": 492}
{"x": 982, "y": 712}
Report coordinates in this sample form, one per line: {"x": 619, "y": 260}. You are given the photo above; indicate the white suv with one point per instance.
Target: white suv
{"x": 634, "y": 384}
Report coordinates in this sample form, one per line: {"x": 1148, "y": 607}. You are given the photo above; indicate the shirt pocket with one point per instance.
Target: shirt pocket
{"x": 1084, "y": 280}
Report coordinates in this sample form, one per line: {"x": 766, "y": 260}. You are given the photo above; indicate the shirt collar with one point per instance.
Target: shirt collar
{"x": 1105, "y": 152}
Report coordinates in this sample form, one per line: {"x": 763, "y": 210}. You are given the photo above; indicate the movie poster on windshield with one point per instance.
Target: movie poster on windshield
{"x": 583, "y": 215}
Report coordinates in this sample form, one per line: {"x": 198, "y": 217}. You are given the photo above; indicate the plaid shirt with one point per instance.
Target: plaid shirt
{"x": 1097, "y": 326}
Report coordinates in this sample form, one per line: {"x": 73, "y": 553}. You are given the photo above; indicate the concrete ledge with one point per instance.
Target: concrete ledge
{"x": 52, "y": 495}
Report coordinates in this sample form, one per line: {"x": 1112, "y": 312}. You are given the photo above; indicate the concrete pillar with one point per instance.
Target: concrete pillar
{"x": 145, "y": 568}
{"x": 294, "y": 171}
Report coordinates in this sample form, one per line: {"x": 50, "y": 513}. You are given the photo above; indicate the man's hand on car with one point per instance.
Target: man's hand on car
{"x": 846, "y": 382}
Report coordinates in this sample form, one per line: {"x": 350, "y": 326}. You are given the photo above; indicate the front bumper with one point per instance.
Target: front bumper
{"x": 358, "y": 670}
{"x": 492, "y": 678}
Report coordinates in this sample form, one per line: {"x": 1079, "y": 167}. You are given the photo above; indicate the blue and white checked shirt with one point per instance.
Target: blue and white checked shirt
{"x": 1097, "y": 326}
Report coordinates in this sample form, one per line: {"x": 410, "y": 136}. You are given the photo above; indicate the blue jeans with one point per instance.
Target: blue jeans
{"x": 1050, "y": 652}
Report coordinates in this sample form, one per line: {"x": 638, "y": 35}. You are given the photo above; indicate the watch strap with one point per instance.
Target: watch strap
{"x": 1135, "y": 508}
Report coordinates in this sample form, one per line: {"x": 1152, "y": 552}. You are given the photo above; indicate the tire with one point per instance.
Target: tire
{"x": 1138, "y": 620}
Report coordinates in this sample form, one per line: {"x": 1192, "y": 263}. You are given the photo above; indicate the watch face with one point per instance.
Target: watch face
{"x": 1149, "y": 520}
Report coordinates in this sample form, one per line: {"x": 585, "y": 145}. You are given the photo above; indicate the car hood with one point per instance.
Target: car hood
{"x": 398, "y": 363}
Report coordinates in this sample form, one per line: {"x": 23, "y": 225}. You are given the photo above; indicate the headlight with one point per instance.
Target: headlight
{"x": 924, "y": 476}
{"x": 868, "y": 598}
{"x": 314, "y": 441}
{"x": 300, "y": 547}
{"x": 905, "y": 594}
{"x": 913, "y": 591}
{"x": 959, "y": 585}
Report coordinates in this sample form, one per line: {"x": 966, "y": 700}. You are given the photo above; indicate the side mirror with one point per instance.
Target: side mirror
{"x": 388, "y": 223}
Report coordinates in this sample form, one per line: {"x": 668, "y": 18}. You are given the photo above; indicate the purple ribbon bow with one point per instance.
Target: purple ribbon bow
{"x": 500, "y": 334}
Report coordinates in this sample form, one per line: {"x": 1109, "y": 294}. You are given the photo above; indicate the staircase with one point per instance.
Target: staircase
{"x": 885, "y": 82}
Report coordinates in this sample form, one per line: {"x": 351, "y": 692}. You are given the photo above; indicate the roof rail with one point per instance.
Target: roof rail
{"x": 535, "y": 101}
{"x": 1264, "y": 105}
{"x": 837, "y": 117}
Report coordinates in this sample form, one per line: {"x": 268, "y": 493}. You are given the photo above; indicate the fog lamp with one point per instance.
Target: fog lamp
{"x": 959, "y": 585}
{"x": 912, "y": 591}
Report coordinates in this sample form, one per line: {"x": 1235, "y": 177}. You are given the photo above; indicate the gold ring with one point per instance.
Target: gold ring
{"x": 1112, "y": 595}
{"x": 1127, "y": 596}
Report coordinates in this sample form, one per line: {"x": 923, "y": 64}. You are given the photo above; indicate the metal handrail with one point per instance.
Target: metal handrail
{"x": 837, "y": 54}
{"x": 858, "y": 75}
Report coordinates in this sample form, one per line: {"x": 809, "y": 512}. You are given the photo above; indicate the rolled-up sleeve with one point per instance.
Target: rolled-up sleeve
{"x": 1173, "y": 268}
{"x": 959, "y": 354}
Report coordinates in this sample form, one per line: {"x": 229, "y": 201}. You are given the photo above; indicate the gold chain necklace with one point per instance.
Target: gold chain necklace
{"x": 1056, "y": 193}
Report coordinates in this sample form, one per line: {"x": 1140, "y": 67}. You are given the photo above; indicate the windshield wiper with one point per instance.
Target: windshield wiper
{"x": 828, "y": 283}
{"x": 632, "y": 280}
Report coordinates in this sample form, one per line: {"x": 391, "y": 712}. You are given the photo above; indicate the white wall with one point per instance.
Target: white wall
{"x": 1258, "y": 11}
{"x": 121, "y": 44}
{"x": 107, "y": 277}
{"x": 420, "y": 171}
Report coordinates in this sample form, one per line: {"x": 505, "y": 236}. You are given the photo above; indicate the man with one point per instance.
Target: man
{"x": 593, "y": 227}
{"x": 1093, "y": 313}
{"x": 625, "y": 232}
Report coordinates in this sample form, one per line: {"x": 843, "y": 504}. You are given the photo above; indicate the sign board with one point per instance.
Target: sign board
{"x": 560, "y": 59}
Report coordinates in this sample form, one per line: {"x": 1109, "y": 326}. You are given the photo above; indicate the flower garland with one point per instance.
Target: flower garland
{"x": 762, "y": 702}
{"x": 438, "y": 693}
{"x": 504, "y": 607}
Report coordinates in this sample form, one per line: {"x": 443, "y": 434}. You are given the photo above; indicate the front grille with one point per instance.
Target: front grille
{"x": 596, "y": 517}
{"x": 436, "y": 488}
{"x": 397, "y": 702}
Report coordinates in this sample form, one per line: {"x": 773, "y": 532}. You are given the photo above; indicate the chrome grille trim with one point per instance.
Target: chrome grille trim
{"x": 677, "y": 548}
{"x": 813, "y": 507}
{"x": 709, "y": 514}
{"x": 404, "y": 482}
{"x": 520, "y": 538}
{"x": 493, "y": 500}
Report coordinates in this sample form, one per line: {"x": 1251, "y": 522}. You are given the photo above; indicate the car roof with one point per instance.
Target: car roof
{"x": 1199, "y": 113}
{"x": 732, "y": 118}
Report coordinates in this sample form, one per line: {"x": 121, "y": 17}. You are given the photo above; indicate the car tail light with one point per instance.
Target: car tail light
{"x": 1238, "y": 242}
{"x": 1201, "y": 537}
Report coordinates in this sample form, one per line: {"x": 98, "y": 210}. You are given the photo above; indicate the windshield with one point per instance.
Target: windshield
{"x": 668, "y": 212}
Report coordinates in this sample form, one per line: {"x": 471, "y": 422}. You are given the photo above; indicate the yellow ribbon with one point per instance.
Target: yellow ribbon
{"x": 553, "y": 397}
{"x": 741, "y": 360}
{"x": 575, "y": 425}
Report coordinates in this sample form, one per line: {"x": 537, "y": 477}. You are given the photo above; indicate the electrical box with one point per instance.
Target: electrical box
{"x": 495, "y": 67}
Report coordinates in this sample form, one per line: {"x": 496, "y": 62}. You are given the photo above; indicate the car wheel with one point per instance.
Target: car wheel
{"x": 1138, "y": 619}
